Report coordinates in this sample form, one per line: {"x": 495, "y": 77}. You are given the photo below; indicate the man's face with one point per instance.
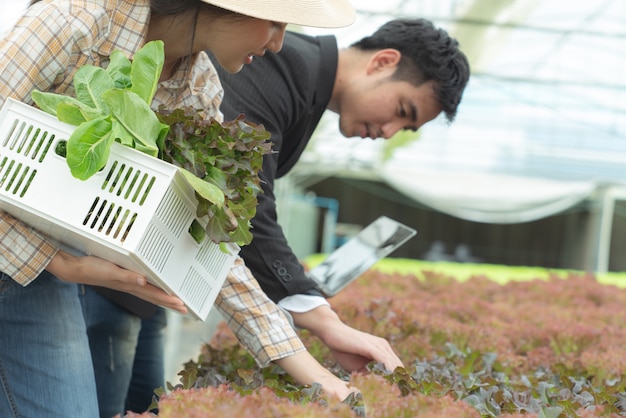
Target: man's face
{"x": 378, "y": 107}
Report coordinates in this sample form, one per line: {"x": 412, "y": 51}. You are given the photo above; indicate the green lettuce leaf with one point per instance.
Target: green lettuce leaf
{"x": 119, "y": 69}
{"x": 136, "y": 117}
{"x": 146, "y": 70}
{"x": 90, "y": 83}
{"x": 88, "y": 147}
{"x": 207, "y": 191}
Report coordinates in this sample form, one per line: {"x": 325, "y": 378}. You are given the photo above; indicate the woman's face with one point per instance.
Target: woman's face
{"x": 235, "y": 42}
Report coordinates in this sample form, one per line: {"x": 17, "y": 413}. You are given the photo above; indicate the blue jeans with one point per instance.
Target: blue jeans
{"x": 114, "y": 335}
{"x": 45, "y": 363}
{"x": 149, "y": 367}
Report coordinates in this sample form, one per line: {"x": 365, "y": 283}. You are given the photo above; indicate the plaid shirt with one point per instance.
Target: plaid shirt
{"x": 43, "y": 51}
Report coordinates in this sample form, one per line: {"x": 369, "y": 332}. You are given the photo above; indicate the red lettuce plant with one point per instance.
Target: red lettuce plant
{"x": 227, "y": 155}
{"x": 539, "y": 348}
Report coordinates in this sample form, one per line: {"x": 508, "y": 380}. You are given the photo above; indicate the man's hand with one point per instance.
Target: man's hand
{"x": 353, "y": 349}
{"x": 98, "y": 272}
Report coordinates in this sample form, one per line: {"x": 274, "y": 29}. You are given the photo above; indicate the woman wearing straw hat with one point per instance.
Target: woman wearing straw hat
{"x": 45, "y": 366}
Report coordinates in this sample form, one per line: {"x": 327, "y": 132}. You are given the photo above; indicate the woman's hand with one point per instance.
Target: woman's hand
{"x": 306, "y": 370}
{"x": 98, "y": 272}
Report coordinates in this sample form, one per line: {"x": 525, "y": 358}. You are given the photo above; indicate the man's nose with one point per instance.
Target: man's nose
{"x": 389, "y": 129}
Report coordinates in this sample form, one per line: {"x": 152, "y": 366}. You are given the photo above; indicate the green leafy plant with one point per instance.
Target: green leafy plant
{"x": 220, "y": 161}
{"x": 111, "y": 104}
{"x": 228, "y": 156}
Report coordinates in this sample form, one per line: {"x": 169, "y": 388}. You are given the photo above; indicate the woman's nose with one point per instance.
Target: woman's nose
{"x": 276, "y": 42}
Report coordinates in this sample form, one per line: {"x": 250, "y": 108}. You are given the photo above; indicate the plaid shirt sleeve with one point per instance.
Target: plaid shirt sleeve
{"x": 39, "y": 52}
{"x": 257, "y": 322}
{"x": 52, "y": 40}
{"x": 24, "y": 253}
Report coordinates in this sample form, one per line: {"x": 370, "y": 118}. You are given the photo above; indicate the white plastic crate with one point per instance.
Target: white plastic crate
{"x": 136, "y": 212}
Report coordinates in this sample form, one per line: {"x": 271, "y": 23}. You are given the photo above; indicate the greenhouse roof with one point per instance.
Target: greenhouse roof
{"x": 545, "y": 108}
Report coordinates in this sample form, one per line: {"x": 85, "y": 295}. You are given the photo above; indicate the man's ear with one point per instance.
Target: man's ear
{"x": 384, "y": 59}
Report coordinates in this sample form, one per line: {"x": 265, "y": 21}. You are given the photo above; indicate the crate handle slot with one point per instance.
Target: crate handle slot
{"x": 197, "y": 231}
{"x": 7, "y": 174}
{"x": 147, "y": 191}
{"x": 10, "y": 133}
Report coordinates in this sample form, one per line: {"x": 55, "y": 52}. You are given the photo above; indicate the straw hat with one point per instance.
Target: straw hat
{"x": 317, "y": 13}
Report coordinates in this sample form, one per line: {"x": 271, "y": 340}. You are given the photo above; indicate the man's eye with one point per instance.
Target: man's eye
{"x": 402, "y": 112}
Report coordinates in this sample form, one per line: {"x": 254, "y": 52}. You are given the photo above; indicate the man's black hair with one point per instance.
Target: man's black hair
{"x": 428, "y": 53}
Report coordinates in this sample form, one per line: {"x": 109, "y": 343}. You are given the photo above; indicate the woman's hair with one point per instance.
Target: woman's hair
{"x": 428, "y": 54}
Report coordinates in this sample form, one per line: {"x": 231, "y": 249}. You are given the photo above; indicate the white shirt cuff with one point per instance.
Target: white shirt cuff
{"x": 302, "y": 303}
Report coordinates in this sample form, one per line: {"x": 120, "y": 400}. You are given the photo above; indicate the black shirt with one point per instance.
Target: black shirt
{"x": 286, "y": 92}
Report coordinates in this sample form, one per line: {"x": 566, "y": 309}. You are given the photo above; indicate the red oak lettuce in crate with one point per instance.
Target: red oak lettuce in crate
{"x": 227, "y": 155}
